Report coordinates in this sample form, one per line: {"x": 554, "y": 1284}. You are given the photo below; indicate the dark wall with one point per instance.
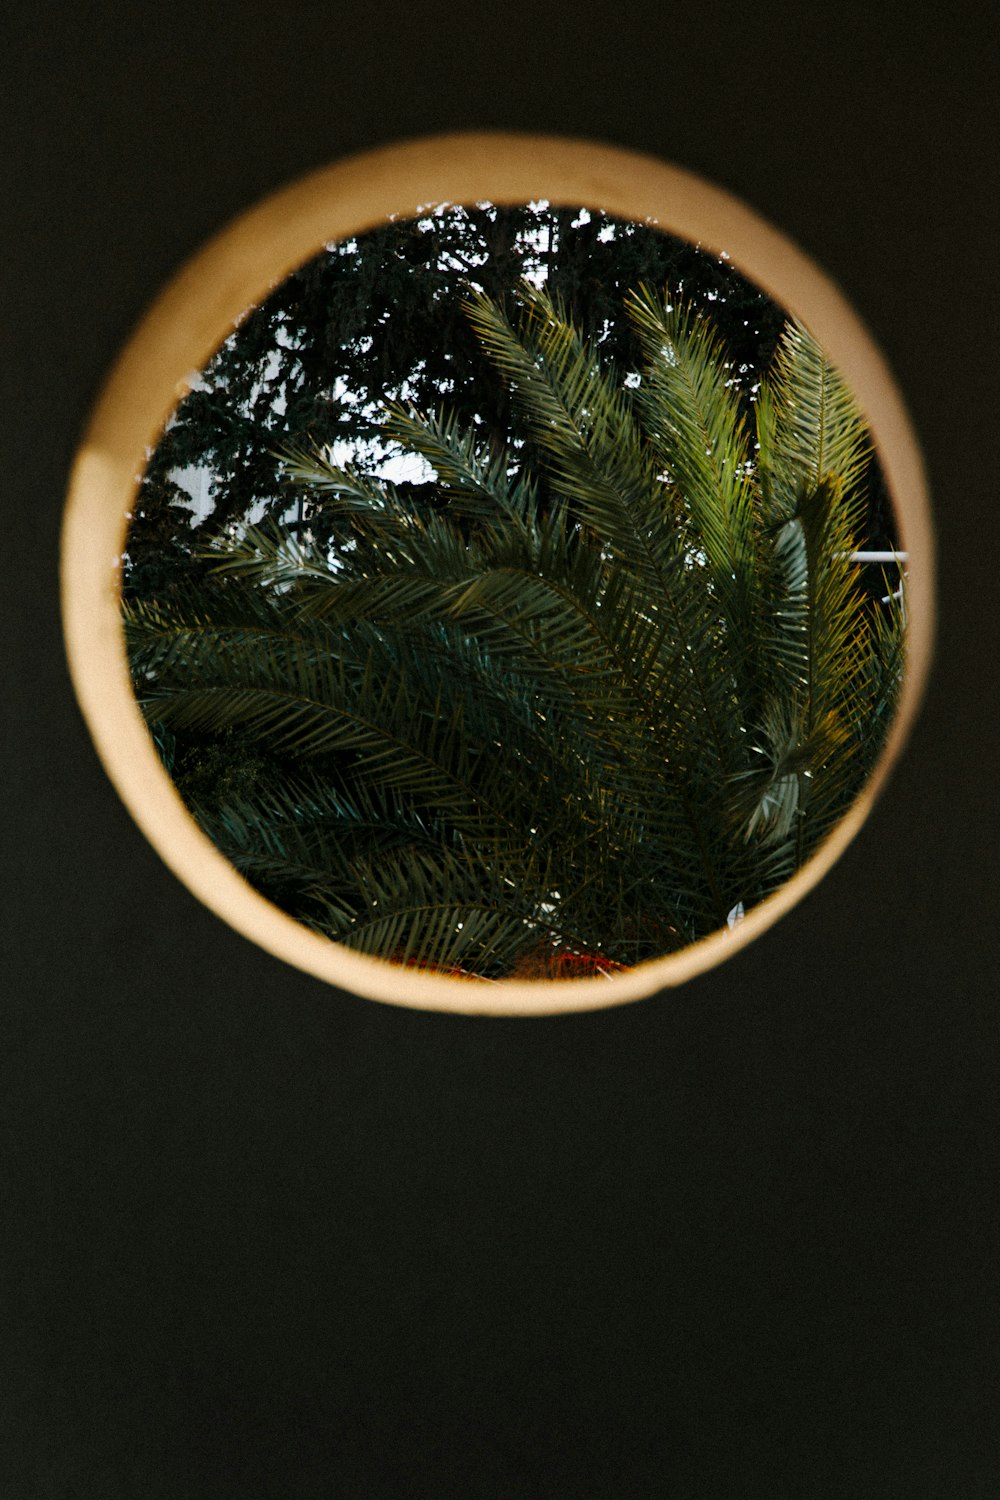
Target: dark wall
{"x": 262, "y": 1239}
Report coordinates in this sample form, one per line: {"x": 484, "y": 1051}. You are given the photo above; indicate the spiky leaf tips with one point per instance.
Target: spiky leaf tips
{"x": 613, "y": 684}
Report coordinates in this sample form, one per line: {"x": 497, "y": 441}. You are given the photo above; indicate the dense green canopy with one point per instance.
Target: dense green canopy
{"x": 379, "y": 318}
{"x": 608, "y": 691}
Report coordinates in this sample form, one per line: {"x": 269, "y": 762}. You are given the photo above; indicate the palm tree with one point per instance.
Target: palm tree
{"x": 614, "y": 689}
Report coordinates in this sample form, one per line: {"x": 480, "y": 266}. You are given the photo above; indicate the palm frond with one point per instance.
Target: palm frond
{"x": 525, "y": 716}
{"x": 692, "y": 417}
{"x": 475, "y": 482}
{"x": 808, "y": 423}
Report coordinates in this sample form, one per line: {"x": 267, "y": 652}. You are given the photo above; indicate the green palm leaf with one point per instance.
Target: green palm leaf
{"x": 577, "y": 701}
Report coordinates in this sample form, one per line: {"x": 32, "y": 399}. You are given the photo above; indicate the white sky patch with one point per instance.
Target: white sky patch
{"x": 389, "y": 461}
{"x": 402, "y": 467}
{"x": 537, "y": 275}
{"x": 194, "y": 380}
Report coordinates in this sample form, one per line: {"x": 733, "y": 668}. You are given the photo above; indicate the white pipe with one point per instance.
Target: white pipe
{"x": 873, "y": 557}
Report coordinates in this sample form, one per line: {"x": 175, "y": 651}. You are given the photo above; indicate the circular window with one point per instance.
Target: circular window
{"x": 497, "y": 575}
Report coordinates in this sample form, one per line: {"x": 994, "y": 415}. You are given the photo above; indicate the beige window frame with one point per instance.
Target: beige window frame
{"x": 235, "y": 271}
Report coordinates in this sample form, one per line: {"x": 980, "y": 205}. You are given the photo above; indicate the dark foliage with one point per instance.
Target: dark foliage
{"x": 612, "y": 687}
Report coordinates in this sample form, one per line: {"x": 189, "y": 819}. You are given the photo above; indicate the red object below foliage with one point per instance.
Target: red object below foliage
{"x": 582, "y": 965}
{"x": 545, "y": 964}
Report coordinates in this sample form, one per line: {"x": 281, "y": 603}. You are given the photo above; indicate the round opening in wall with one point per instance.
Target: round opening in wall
{"x": 497, "y": 575}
